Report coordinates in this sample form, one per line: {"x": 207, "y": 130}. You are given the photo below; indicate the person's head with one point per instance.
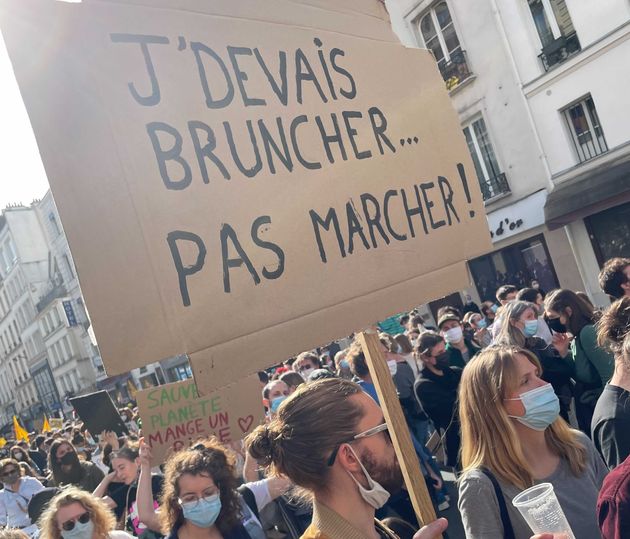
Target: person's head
{"x": 431, "y": 350}
{"x": 328, "y": 437}
{"x": 506, "y": 293}
{"x": 63, "y": 462}
{"x": 20, "y": 454}
{"x": 76, "y": 514}
{"x": 532, "y": 295}
{"x": 306, "y": 363}
{"x": 404, "y": 320}
{"x": 263, "y": 378}
{"x": 519, "y": 321}
{"x": 39, "y": 443}
{"x": 535, "y": 284}
{"x": 501, "y": 394}
{"x": 613, "y": 331}
{"x": 357, "y": 362}
{"x": 488, "y": 309}
{"x": 476, "y": 321}
{"x": 320, "y": 374}
{"x": 292, "y": 379}
{"x": 451, "y": 328}
{"x": 274, "y": 394}
{"x": 13, "y": 533}
{"x": 566, "y": 312}
{"x": 614, "y": 278}
{"x": 200, "y": 488}
{"x": 415, "y": 322}
{"x": 404, "y": 344}
{"x": 126, "y": 463}
{"x": 10, "y": 471}
{"x": 448, "y": 309}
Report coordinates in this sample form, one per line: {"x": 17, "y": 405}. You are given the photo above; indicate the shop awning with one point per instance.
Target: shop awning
{"x": 588, "y": 193}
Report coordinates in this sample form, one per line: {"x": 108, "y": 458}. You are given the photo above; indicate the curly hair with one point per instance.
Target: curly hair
{"x": 612, "y": 276}
{"x": 613, "y": 330}
{"x": 208, "y": 458}
{"x": 103, "y": 519}
{"x": 10, "y": 460}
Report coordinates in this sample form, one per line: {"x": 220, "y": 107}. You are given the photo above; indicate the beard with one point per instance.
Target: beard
{"x": 388, "y": 475}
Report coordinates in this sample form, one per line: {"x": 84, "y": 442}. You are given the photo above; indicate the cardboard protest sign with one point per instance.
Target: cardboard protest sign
{"x": 174, "y": 415}
{"x": 55, "y": 423}
{"x": 98, "y": 413}
{"x": 240, "y": 188}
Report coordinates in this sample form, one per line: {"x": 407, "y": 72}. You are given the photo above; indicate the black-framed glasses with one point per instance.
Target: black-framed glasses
{"x": 365, "y": 434}
{"x": 83, "y": 518}
{"x": 9, "y": 472}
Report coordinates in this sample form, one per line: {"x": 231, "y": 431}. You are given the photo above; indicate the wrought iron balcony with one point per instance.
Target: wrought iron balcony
{"x": 559, "y": 50}
{"x": 455, "y": 71}
{"x": 492, "y": 187}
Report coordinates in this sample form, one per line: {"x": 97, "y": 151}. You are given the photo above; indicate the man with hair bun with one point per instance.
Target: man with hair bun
{"x": 331, "y": 439}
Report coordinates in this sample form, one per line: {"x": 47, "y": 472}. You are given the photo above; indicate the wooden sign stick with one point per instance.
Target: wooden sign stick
{"x": 398, "y": 429}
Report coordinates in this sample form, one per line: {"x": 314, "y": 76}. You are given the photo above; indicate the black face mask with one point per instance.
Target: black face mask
{"x": 441, "y": 361}
{"x": 555, "y": 325}
{"x": 69, "y": 458}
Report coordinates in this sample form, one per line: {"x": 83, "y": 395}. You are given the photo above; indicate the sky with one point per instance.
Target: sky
{"x": 22, "y": 175}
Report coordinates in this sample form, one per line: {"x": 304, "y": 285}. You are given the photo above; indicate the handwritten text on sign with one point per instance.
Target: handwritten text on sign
{"x": 174, "y": 415}
{"x": 275, "y": 185}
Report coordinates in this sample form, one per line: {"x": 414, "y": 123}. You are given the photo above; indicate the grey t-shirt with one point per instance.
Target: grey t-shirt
{"x": 577, "y": 496}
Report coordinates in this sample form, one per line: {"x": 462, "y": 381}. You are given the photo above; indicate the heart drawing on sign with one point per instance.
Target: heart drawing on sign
{"x": 245, "y": 422}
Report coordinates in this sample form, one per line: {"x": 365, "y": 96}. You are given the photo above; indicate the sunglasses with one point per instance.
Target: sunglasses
{"x": 83, "y": 518}
{"x": 365, "y": 434}
{"x": 8, "y": 472}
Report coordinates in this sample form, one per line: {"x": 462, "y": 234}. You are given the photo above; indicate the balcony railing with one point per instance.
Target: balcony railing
{"x": 559, "y": 50}
{"x": 456, "y": 70}
{"x": 493, "y": 187}
{"x": 56, "y": 291}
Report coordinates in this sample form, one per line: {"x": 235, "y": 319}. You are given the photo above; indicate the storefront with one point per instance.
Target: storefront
{"x": 522, "y": 254}
{"x": 609, "y": 232}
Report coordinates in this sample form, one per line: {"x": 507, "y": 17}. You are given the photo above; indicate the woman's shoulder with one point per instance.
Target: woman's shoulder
{"x": 474, "y": 481}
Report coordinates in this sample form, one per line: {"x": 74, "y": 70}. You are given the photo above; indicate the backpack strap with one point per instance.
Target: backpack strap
{"x": 250, "y": 499}
{"x": 508, "y": 531}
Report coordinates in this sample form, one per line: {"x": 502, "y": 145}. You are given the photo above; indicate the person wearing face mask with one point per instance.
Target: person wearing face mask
{"x": 119, "y": 491}
{"x": 359, "y": 368}
{"x": 513, "y": 438}
{"x": 478, "y": 327}
{"x": 519, "y": 328}
{"x": 342, "y": 365}
{"x": 77, "y": 514}
{"x": 570, "y": 316}
{"x": 201, "y": 500}
{"x": 274, "y": 393}
{"x": 21, "y": 455}
{"x": 67, "y": 469}
{"x": 15, "y": 495}
{"x": 460, "y": 349}
{"x": 306, "y": 363}
{"x": 436, "y": 390}
{"x": 534, "y": 296}
{"x": 330, "y": 438}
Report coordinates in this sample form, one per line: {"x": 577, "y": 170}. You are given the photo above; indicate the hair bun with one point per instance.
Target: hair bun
{"x": 261, "y": 445}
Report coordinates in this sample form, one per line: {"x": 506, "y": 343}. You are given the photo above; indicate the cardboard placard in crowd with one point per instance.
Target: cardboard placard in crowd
{"x": 174, "y": 416}
{"x": 55, "y": 423}
{"x": 98, "y": 413}
{"x": 242, "y": 186}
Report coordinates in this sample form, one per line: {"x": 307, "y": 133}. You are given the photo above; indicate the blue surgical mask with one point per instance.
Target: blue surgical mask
{"x": 494, "y": 308}
{"x": 80, "y": 531}
{"x": 531, "y": 328}
{"x": 275, "y": 403}
{"x": 481, "y": 323}
{"x": 203, "y": 512}
{"x": 344, "y": 364}
{"x": 542, "y": 407}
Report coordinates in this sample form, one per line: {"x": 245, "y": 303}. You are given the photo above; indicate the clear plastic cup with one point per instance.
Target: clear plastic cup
{"x": 541, "y": 510}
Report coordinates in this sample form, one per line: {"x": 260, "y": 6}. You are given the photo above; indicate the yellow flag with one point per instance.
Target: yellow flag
{"x": 3, "y": 442}
{"x": 46, "y": 425}
{"x": 20, "y": 432}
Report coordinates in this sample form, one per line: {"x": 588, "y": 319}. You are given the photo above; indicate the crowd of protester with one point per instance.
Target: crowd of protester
{"x": 534, "y": 387}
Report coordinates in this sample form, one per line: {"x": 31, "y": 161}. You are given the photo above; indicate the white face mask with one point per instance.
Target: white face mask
{"x": 306, "y": 372}
{"x": 393, "y": 366}
{"x": 453, "y": 335}
{"x": 376, "y": 495}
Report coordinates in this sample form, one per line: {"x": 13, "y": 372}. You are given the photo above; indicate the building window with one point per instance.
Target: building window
{"x": 54, "y": 224}
{"x": 518, "y": 265}
{"x": 555, "y": 29}
{"x": 585, "y": 129}
{"x": 609, "y": 231}
{"x": 438, "y": 34}
{"x": 68, "y": 264}
{"x": 492, "y": 181}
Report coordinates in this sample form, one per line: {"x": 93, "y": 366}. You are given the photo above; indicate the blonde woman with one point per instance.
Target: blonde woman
{"x": 77, "y": 514}
{"x": 513, "y": 438}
